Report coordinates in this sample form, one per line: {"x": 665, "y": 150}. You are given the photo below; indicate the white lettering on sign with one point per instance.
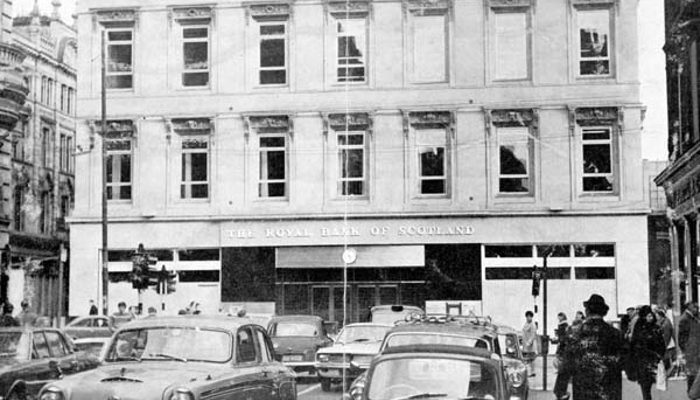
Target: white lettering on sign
{"x": 344, "y": 231}
{"x": 424, "y": 230}
{"x": 379, "y": 230}
{"x": 240, "y": 234}
{"x": 287, "y": 232}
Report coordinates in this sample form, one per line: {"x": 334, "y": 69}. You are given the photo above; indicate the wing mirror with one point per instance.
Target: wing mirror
{"x": 53, "y": 366}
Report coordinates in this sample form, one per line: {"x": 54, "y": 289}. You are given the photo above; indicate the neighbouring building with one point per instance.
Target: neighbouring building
{"x": 40, "y": 156}
{"x": 681, "y": 178}
{"x": 449, "y": 143}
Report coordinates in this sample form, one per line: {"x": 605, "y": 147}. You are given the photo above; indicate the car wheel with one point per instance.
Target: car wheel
{"x": 326, "y": 385}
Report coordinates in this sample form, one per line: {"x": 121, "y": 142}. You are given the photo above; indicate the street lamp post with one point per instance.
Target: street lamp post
{"x": 105, "y": 261}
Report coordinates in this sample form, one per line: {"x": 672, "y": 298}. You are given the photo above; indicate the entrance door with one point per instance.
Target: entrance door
{"x": 389, "y": 294}
{"x": 320, "y": 304}
{"x": 366, "y": 298}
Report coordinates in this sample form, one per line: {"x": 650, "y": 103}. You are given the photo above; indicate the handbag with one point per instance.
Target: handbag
{"x": 661, "y": 377}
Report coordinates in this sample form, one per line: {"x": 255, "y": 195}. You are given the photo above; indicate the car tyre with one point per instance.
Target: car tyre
{"x": 325, "y": 385}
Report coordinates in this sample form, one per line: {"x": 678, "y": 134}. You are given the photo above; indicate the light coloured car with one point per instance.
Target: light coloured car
{"x": 95, "y": 346}
{"x": 351, "y": 353}
{"x": 183, "y": 358}
{"x": 90, "y": 326}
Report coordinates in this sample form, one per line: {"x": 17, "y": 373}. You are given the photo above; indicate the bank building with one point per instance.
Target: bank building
{"x": 449, "y": 143}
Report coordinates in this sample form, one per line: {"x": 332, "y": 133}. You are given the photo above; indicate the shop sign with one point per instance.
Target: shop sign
{"x": 423, "y": 230}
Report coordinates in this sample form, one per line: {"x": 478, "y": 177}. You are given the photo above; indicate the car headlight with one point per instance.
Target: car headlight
{"x": 276, "y": 345}
{"x": 322, "y": 358}
{"x": 363, "y": 359}
{"x": 52, "y": 393}
{"x": 182, "y": 394}
{"x": 357, "y": 388}
{"x": 516, "y": 377}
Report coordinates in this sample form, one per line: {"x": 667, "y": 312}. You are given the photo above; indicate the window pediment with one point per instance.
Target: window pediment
{"x": 116, "y": 18}
{"x": 269, "y": 11}
{"x": 192, "y": 126}
{"x": 427, "y": 7}
{"x": 267, "y": 123}
{"x": 116, "y": 129}
{"x": 339, "y": 121}
{"x": 595, "y": 116}
{"x": 510, "y": 3}
{"x": 428, "y": 120}
{"x": 186, "y": 15}
{"x": 511, "y": 117}
{"x": 338, "y": 8}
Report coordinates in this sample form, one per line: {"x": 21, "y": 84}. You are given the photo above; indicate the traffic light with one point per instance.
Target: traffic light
{"x": 535, "y": 281}
{"x": 171, "y": 281}
{"x": 142, "y": 275}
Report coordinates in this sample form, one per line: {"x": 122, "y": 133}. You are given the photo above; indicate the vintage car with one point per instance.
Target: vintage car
{"x": 94, "y": 346}
{"x": 297, "y": 338}
{"x": 389, "y": 314}
{"x": 435, "y": 371}
{"x": 90, "y": 326}
{"x": 31, "y": 357}
{"x": 356, "y": 344}
{"x": 183, "y": 358}
{"x": 458, "y": 331}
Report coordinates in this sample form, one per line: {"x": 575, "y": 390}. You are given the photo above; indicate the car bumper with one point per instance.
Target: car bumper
{"x": 336, "y": 371}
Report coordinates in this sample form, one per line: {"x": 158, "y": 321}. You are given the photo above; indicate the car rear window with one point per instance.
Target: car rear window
{"x": 408, "y": 339}
{"x": 291, "y": 328}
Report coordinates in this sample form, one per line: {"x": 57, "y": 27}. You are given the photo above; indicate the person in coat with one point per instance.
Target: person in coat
{"x": 647, "y": 348}
{"x": 667, "y": 330}
{"x": 593, "y": 353}
{"x": 529, "y": 341}
{"x": 561, "y": 384}
{"x": 689, "y": 340}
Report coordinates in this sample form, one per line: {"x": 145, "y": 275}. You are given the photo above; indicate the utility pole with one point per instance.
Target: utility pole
{"x": 105, "y": 261}
{"x": 545, "y": 336}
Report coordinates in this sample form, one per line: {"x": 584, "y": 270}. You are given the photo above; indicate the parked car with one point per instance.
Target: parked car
{"x": 33, "y": 356}
{"x": 91, "y": 326}
{"x": 470, "y": 332}
{"x": 356, "y": 343}
{"x": 94, "y": 346}
{"x": 183, "y": 357}
{"x": 435, "y": 371}
{"x": 297, "y": 338}
{"x": 389, "y": 314}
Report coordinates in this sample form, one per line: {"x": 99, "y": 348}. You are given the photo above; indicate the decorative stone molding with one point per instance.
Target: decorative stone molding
{"x": 190, "y": 14}
{"x": 427, "y": 7}
{"x": 348, "y": 7}
{"x": 353, "y": 121}
{"x": 190, "y": 126}
{"x": 592, "y": 2}
{"x": 116, "y": 17}
{"x": 263, "y": 123}
{"x": 428, "y": 119}
{"x": 123, "y": 128}
{"x": 595, "y": 116}
{"x": 510, "y": 3}
{"x": 269, "y": 11}
{"x": 511, "y": 117}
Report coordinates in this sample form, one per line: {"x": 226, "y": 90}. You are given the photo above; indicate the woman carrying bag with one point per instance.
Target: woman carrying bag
{"x": 647, "y": 349}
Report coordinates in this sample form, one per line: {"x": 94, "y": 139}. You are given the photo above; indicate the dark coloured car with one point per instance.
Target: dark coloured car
{"x": 296, "y": 339}
{"x": 183, "y": 358}
{"x": 91, "y": 326}
{"x": 32, "y": 357}
{"x": 435, "y": 371}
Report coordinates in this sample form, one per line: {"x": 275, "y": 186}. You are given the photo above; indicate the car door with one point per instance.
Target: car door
{"x": 60, "y": 353}
{"x": 283, "y": 386}
{"x": 43, "y": 370}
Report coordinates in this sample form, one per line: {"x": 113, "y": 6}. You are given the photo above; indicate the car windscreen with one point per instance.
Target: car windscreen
{"x": 432, "y": 377}
{"x": 171, "y": 343}
{"x": 14, "y": 345}
{"x": 294, "y": 328}
{"x": 414, "y": 338}
{"x": 356, "y": 334}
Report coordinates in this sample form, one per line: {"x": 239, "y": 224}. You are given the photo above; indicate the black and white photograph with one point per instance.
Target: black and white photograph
{"x": 349, "y": 199}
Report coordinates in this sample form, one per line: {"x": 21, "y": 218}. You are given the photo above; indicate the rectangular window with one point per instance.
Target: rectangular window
{"x": 198, "y": 276}
{"x": 70, "y": 101}
{"x": 597, "y": 147}
{"x": 198, "y": 255}
{"x": 514, "y": 160}
{"x": 554, "y": 250}
{"x": 62, "y": 153}
{"x": 45, "y": 221}
{"x": 44, "y": 89}
{"x": 273, "y": 53}
{"x": 513, "y": 273}
{"x": 45, "y": 147}
{"x": 195, "y": 168}
{"x": 594, "y": 250}
{"x": 49, "y": 92}
{"x": 510, "y": 46}
{"x": 19, "y": 201}
{"x": 594, "y": 46}
{"x": 429, "y": 39}
{"x": 120, "y": 60}
{"x": 351, "y": 48}
{"x": 595, "y": 272}
{"x": 62, "y": 99}
{"x": 352, "y": 163}
{"x": 515, "y": 251}
{"x": 195, "y": 54}
{"x": 69, "y": 154}
{"x": 119, "y": 169}
{"x": 273, "y": 166}
{"x": 432, "y": 161}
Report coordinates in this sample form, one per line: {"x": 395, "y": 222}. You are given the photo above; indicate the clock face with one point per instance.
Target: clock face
{"x": 349, "y": 256}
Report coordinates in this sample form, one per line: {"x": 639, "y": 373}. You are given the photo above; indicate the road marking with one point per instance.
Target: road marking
{"x": 309, "y": 389}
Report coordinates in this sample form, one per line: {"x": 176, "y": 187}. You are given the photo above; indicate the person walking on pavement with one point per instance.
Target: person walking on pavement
{"x": 26, "y": 317}
{"x": 7, "y": 319}
{"x": 593, "y": 353}
{"x": 667, "y": 330}
{"x": 626, "y": 320}
{"x": 578, "y": 319}
{"x": 529, "y": 341}
{"x": 689, "y": 341}
{"x": 647, "y": 348}
{"x": 122, "y": 316}
{"x": 93, "y": 308}
{"x": 561, "y": 384}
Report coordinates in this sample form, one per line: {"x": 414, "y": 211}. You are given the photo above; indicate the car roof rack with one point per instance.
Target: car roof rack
{"x": 472, "y": 320}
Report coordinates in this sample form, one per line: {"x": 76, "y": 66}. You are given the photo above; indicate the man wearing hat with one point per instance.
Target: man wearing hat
{"x": 593, "y": 355}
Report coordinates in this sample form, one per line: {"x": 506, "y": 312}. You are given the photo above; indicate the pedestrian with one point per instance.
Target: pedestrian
{"x": 592, "y": 354}
{"x": 561, "y": 384}
{"x": 93, "y": 308}
{"x": 578, "y": 319}
{"x": 122, "y": 316}
{"x": 647, "y": 348}
{"x": 667, "y": 330}
{"x": 26, "y": 317}
{"x": 627, "y": 319}
{"x": 529, "y": 341}
{"x": 7, "y": 319}
{"x": 689, "y": 341}
{"x": 152, "y": 312}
